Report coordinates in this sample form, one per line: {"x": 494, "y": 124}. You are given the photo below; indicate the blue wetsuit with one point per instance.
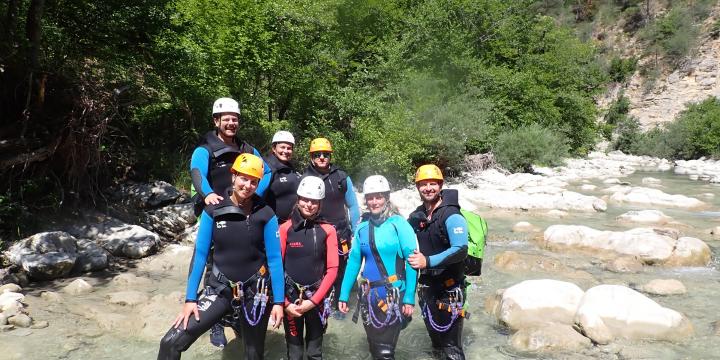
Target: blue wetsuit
{"x": 394, "y": 241}
{"x": 246, "y": 248}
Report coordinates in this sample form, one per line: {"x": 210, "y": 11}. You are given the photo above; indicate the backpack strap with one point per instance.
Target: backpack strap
{"x": 386, "y": 280}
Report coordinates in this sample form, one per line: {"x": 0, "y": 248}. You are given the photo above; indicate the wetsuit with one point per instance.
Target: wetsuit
{"x": 310, "y": 256}
{"x": 443, "y": 241}
{"x": 339, "y": 198}
{"x": 247, "y": 253}
{"x": 281, "y": 192}
{"x": 386, "y": 287}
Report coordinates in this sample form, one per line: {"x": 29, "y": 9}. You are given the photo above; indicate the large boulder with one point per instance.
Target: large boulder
{"x": 506, "y": 199}
{"x": 145, "y": 195}
{"x": 44, "y": 256}
{"x": 607, "y": 312}
{"x": 652, "y": 246}
{"x": 549, "y": 338}
{"x": 664, "y": 287}
{"x": 120, "y": 239}
{"x": 654, "y": 197}
{"x": 169, "y": 221}
{"x": 91, "y": 257}
{"x": 645, "y": 216}
{"x": 538, "y": 302}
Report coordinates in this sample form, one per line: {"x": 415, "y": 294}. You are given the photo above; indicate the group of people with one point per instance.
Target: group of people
{"x": 282, "y": 248}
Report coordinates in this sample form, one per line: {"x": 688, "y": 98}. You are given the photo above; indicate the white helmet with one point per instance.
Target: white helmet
{"x": 311, "y": 187}
{"x": 283, "y": 136}
{"x": 376, "y": 184}
{"x": 226, "y": 105}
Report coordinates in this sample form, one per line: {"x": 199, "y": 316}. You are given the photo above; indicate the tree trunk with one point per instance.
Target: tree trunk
{"x": 33, "y": 31}
{"x": 11, "y": 23}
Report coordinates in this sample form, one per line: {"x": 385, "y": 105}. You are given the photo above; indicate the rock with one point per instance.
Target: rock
{"x": 651, "y": 246}
{"x": 152, "y": 318}
{"x": 625, "y": 264}
{"x": 51, "y": 296}
{"x": 654, "y": 197}
{"x": 111, "y": 321}
{"x": 12, "y": 309}
{"x": 716, "y": 328}
{"x": 78, "y": 287}
{"x": 173, "y": 257}
{"x": 645, "y": 216}
{"x": 91, "y": 257}
{"x": 39, "y": 325}
{"x": 127, "y": 298}
{"x": 538, "y": 302}
{"x": 651, "y": 181}
{"x": 10, "y": 287}
{"x": 607, "y": 312}
{"x": 664, "y": 287}
{"x": 694, "y": 177}
{"x": 120, "y": 239}
{"x": 8, "y": 298}
{"x": 3, "y": 319}
{"x": 611, "y": 181}
{"x": 129, "y": 279}
{"x": 690, "y": 251}
{"x": 549, "y": 338}
{"x": 524, "y": 226}
{"x": 146, "y": 196}
{"x": 513, "y": 262}
{"x": 169, "y": 221}
{"x": 45, "y": 256}
{"x": 6, "y": 328}
{"x": 189, "y": 235}
{"x": 588, "y": 187}
{"x": 20, "y": 320}
{"x": 557, "y": 213}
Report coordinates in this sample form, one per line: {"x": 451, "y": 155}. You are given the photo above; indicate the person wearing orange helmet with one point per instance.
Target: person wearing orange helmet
{"x": 246, "y": 279}
{"x": 339, "y": 204}
{"x": 442, "y": 235}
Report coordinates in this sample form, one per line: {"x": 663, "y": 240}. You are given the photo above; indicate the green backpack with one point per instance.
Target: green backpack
{"x": 477, "y": 230}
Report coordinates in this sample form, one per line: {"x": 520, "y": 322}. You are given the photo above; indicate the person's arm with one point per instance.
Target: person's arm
{"x": 456, "y": 227}
{"x": 199, "y": 164}
{"x": 284, "y": 227}
{"x": 408, "y": 244}
{"x": 199, "y": 258}
{"x": 274, "y": 258}
{"x": 352, "y": 204}
{"x": 351, "y": 270}
{"x": 267, "y": 175}
{"x": 331, "y": 270}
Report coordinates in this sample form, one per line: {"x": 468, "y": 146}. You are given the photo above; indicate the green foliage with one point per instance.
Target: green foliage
{"x": 675, "y": 33}
{"x": 541, "y": 146}
{"x": 616, "y": 115}
{"x": 621, "y": 69}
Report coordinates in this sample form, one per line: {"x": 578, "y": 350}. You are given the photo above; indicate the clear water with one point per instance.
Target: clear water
{"x": 74, "y": 336}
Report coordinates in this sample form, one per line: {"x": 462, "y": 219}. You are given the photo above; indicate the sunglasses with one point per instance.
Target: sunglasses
{"x": 318, "y": 155}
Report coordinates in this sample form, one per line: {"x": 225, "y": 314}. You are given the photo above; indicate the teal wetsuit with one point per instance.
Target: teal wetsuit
{"x": 395, "y": 241}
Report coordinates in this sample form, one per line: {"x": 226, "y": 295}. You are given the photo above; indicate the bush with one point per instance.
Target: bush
{"x": 628, "y": 133}
{"x": 616, "y": 114}
{"x": 621, "y": 69}
{"x": 675, "y": 33}
{"x": 517, "y": 150}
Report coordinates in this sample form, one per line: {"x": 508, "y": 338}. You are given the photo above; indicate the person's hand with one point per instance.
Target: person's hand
{"x": 305, "y": 306}
{"x": 343, "y": 307}
{"x": 407, "y": 310}
{"x": 184, "y": 316}
{"x": 292, "y": 310}
{"x": 276, "y": 316}
{"x": 213, "y": 199}
{"x": 417, "y": 260}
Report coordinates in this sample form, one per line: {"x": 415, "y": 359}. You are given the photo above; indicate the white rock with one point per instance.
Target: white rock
{"x": 588, "y": 187}
{"x": 51, "y": 296}
{"x": 611, "y": 181}
{"x": 607, "y": 312}
{"x": 538, "y": 302}
{"x": 664, "y": 287}
{"x": 8, "y": 298}
{"x": 524, "y": 226}
{"x": 645, "y": 216}
{"x": 120, "y": 239}
{"x": 129, "y": 279}
{"x": 10, "y": 287}
{"x": 651, "y": 181}
{"x": 78, "y": 287}
{"x": 557, "y": 213}
{"x": 549, "y": 338}
{"x": 45, "y": 256}
{"x": 20, "y": 320}
{"x": 690, "y": 251}
{"x": 646, "y": 196}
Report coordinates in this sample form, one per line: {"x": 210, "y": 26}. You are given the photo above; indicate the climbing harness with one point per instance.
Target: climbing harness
{"x": 454, "y": 306}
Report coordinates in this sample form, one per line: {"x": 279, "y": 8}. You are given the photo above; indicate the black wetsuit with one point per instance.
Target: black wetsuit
{"x": 443, "y": 281}
{"x": 311, "y": 263}
{"x": 281, "y": 194}
{"x": 246, "y": 251}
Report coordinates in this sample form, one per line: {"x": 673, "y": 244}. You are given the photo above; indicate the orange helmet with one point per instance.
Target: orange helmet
{"x": 428, "y": 172}
{"x": 248, "y": 164}
{"x": 320, "y": 144}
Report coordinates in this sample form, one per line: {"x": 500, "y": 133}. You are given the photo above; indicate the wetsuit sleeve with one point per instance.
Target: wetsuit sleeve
{"x": 331, "y": 269}
{"x": 351, "y": 270}
{"x": 456, "y": 227}
{"x": 267, "y": 175}
{"x": 199, "y": 258}
{"x": 199, "y": 164}
{"x": 352, "y": 204}
{"x": 408, "y": 244}
{"x": 274, "y": 258}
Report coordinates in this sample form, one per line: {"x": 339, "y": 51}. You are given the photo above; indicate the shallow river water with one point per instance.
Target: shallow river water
{"x": 74, "y": 335}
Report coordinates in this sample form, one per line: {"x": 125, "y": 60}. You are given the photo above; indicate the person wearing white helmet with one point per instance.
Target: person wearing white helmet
{"x": 384, "y": 240}
{"x": 309, "y": 249}
{"x": 280, "y": 194}
{"x": 210, "y": 171}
